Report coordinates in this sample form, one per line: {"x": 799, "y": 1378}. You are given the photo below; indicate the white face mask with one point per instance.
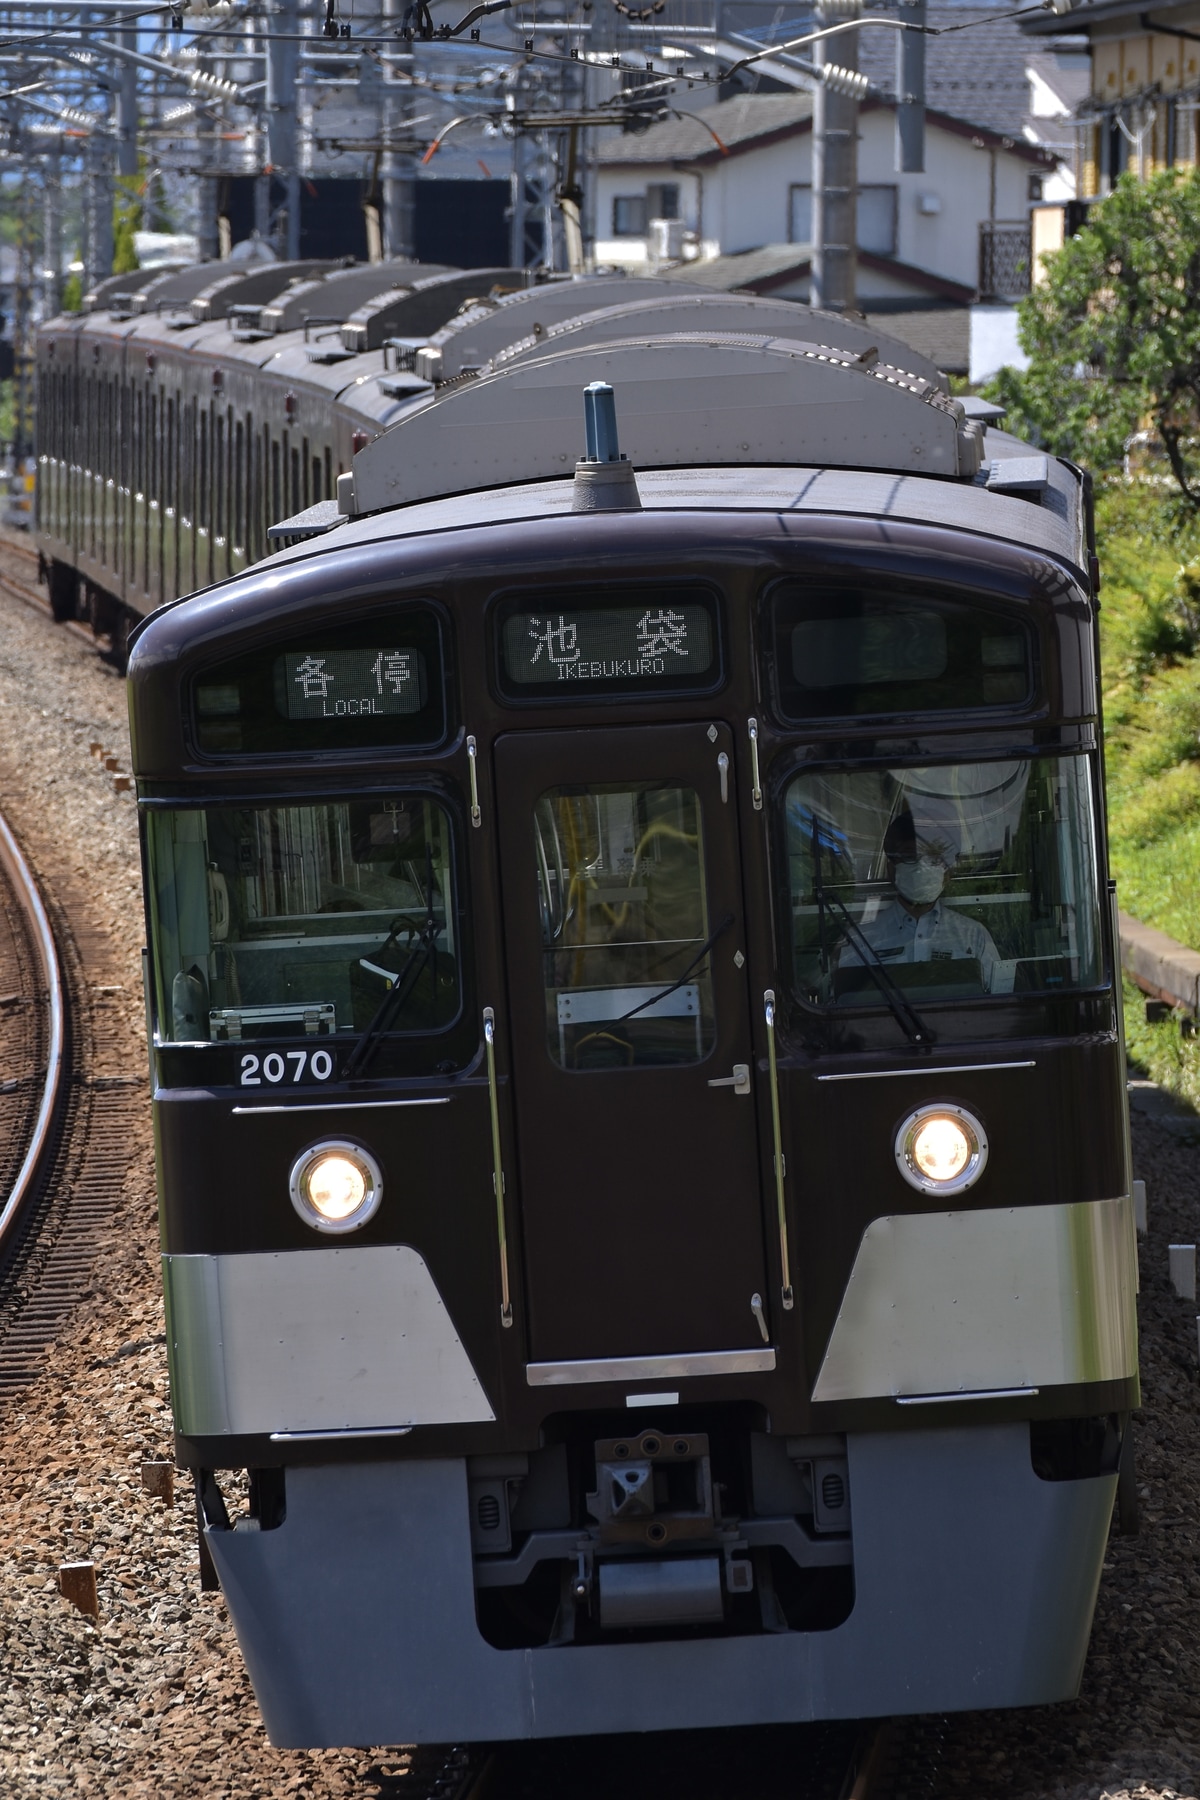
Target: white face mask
{"x": 921, "y": 882}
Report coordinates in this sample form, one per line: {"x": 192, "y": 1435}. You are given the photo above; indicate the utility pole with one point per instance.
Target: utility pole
{"x": 52, "y": 232}
{"x": 835, "y": 168}
{"x": 397, "y": 172}
{"x": 283, "y": 60}
{"x": 22, "y": 319}
{"x": 99, "y": 203}
{"x": 533, "y": 188}
{"x": 910, "y": 89}
{"x": 208, "y": 196}
{"x": 208, "y": 225}
{"x": 127, "y": 110}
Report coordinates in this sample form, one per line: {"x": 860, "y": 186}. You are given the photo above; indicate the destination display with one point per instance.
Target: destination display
{"x": 367, "y": 684}
{"x": 856, "y": 649}
{"x": 557, "y": 649}
{"x": 349, "y": 684}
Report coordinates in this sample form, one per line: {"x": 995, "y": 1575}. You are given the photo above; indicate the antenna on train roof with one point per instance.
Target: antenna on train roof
{"x": 604, "y": 478}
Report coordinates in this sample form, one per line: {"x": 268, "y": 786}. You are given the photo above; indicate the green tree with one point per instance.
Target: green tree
{"x": 127, "y": 218}
{"x": 1113, "y": 332}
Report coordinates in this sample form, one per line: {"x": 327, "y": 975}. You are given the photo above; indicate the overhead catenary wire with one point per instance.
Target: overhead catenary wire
{"x": 544, "y": 81}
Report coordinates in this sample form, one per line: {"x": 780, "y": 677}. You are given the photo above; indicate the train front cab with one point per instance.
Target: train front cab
{"x": 639, "y": 1105}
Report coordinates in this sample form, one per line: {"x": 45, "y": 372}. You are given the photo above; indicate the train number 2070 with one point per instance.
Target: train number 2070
{"x": 281, "y": 1065}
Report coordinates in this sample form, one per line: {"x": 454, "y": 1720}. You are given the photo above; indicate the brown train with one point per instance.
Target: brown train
{"x": 638, "y": 1065}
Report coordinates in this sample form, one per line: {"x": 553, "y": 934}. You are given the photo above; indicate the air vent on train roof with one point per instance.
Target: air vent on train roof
{"x": 687, "y": 400}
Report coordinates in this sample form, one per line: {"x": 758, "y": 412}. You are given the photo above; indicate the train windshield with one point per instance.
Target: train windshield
{"x": 288, "y": 921}
{"x": 947, "y": 882}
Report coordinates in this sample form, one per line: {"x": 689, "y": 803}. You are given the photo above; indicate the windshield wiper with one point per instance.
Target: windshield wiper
{"x": 699, "y": 957}
{"x": 909, "y": 1021}
{"x": 422, "y": 954}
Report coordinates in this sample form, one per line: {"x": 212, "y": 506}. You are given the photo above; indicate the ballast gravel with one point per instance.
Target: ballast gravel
{"x": 151, "y": 1698}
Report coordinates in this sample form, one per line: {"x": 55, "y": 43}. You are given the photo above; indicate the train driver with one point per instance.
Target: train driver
{"x": 914, "y": 925}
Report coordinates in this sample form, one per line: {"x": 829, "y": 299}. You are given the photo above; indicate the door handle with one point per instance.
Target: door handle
{"x": 723, "y": 770}
{"x": 739, "y": 1081}
{"x": 755, "y": 781}
{"x": 489, "y": 1038}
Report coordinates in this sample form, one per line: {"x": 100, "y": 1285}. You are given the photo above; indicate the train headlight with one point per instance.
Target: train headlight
{"x": 336, "y": 1186}
{"x": 941, "y": 1149}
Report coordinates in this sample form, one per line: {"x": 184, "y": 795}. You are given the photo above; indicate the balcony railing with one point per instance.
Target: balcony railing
{"x": 1005, "y": 259}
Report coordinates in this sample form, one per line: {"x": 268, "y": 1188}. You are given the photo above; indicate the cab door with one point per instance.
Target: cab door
{"x": 632, "y": 1071}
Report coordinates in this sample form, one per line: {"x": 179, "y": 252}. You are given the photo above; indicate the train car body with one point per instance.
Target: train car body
{"x": 639, "y": 1086}
{"x": 172, "y": 431}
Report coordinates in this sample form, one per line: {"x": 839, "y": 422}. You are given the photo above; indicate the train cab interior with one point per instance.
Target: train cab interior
{"x": 280, "y": 921}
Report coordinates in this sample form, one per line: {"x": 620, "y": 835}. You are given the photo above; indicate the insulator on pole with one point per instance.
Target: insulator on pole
{"x": 846, "y": 81}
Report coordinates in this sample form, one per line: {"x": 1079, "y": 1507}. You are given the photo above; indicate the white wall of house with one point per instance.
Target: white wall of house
{"x": 745, "y": 200}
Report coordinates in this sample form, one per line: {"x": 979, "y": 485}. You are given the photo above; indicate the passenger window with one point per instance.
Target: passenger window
{"x": 625, "y": 926}
{"x": 273, "y": 922}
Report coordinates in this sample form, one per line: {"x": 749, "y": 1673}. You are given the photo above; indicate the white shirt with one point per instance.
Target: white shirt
{"x": 941, "y": 934}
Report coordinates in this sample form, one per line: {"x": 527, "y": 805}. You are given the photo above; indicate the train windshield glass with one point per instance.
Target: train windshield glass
{"x": 849, "y": 650}
{"x": 625, "y": 927}
{"x": 297, "y": 921}
{"x": 949, "y": 882}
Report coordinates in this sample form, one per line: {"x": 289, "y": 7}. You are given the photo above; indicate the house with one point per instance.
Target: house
{"x": 736, "y": 176}
{"x": 1141, "y": 106}
{"x": 982, "y": 68}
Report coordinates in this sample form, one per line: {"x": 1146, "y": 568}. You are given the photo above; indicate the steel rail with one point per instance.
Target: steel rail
{"x": 25, "y": 888}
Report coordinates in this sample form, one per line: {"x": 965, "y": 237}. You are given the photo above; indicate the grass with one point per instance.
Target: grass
{"x": 1150, "y": 655}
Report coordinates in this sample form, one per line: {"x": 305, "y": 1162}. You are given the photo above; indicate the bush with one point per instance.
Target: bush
{"x": 1113, "y": 333}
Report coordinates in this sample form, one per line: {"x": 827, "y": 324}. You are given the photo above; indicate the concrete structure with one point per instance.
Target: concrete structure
{"x": 994, "y": 343}
{"x": 1160, "y": 967}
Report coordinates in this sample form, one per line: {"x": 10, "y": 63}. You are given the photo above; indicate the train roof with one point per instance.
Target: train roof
{"x": 99, "y": 298}
{"x": 684, "y": 398}
{"x": 250, "y": 287}
{"x": 700, "y": 310}
{"x": 1044, "y": 519}
{"x": 179, "y": 287}
{"x": 516, "y": 323}
{"x": 367, "y": 382}
{"x": 418, "y": 309}
{"x": 474, "y": 336}
{"x": 334, "y": 297}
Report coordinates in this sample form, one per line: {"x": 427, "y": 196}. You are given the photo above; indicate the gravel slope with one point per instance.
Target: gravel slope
{"x": 152, "y": 1699}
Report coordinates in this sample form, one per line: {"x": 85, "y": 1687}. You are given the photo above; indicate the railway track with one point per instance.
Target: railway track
{"x": 1137, "y": 1721}
{"x": 65, "y": 1132}
{"x": 47, "y": 1263}
{"x": 19, "y": 580}
{"x": 850, "y": 1760}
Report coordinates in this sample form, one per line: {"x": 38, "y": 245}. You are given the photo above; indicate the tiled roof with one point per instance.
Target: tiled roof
{"x": 763, "y": 270}
{"x": 942, "y": 334}
{"x": 976, "y": 77}
{"x": 729, "y": 273}
{"x": 938, "y": 331}
{"x": 974, "y": 67}
{"x": 737, "y": 123}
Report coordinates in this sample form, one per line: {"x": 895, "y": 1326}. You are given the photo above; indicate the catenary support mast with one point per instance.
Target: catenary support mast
{"x": 835, "y": 169}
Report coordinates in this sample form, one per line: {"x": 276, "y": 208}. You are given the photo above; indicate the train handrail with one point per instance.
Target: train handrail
{"x": 21, "y": 876}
